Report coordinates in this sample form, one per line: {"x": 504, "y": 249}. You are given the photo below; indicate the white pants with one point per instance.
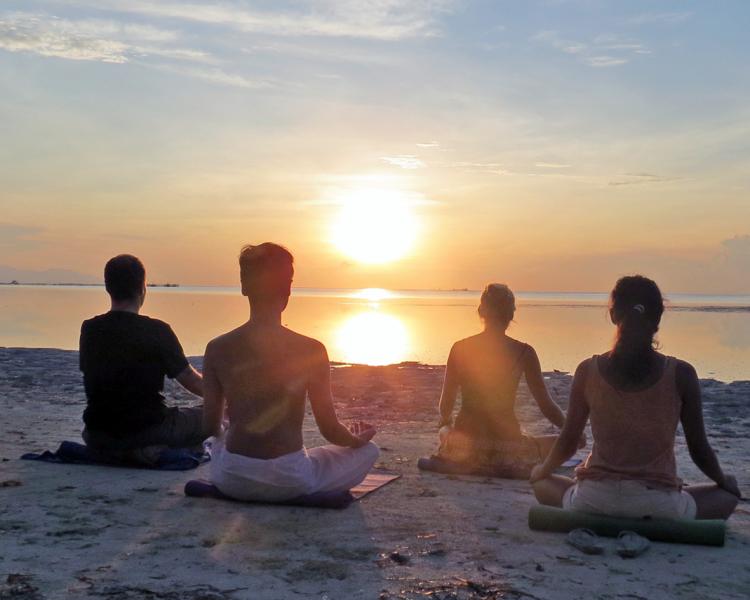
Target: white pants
{"x": 322, "y": 469}
{"x": 628, "y": 498}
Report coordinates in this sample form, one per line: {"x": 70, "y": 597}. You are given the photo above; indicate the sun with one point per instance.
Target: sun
{"x": 375, "y": 226}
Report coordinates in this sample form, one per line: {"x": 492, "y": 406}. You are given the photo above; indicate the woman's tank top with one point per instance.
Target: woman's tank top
{"x": 634, "y": 432}
{"x": 488, "y": 401}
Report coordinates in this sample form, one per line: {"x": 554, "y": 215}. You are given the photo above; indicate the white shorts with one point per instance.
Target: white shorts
{"x": 628, "y": 498}
{"x": 321, "y": 469}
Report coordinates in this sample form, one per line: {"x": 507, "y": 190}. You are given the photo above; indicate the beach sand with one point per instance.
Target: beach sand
{"x": 91, "y": 532}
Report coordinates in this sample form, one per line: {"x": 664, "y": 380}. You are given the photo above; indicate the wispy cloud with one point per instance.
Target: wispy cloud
{"x": 548, "y": 165}
{"x": 604, "y": 50}
{"x": 216, "y": 75}
{"x": 660, "y": 17}
{"x": 490, "y": 168}
{"x": 432, "y": 144}
{"x": 375, "y": 19}
{"x": 89, "y": 39}
{"x": 604, "y": 61}
{"x": 404, "y": 161}
{"x": 307, "y": 51}
{"x": 59, "y": 38}
{"x": 641, "y": 179}
{"x": 114, "y": 42}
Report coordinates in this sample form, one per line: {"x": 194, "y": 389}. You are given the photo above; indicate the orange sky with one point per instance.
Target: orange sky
{"x": 552, "y": 150}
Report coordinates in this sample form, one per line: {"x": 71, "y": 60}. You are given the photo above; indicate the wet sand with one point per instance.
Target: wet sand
{"x": 91, "y": 532}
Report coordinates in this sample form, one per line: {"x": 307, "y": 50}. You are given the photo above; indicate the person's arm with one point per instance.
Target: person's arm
{"x": 535, "y": 381}
{"x": 695, "y": 432}
{"x": 575, "y": 422}
{"x": 213, "y": 396}
{"x": 450, "y": 389}
{"x": 321, "y": 401}
{"x": 176, "y": 365}
{"x": 191, "y": 380}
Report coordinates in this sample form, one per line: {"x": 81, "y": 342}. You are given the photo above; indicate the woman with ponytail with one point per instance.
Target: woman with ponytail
{"x": 487, "y": 368}
{"x": 635, "y": 397}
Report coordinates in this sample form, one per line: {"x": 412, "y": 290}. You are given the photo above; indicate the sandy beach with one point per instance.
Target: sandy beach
{"x": 91, "y": 532}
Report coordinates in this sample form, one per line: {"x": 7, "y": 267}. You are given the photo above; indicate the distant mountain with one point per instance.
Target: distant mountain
{"x": 8, "y": 274}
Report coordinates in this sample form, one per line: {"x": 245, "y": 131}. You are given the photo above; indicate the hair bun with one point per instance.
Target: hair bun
{"x": 639, "y": 308}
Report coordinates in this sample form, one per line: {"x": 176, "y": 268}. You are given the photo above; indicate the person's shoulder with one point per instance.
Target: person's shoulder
{"x": 224, "y": 340}
{"x": 152, "y": 322}
{"x": 306, "y": 343}
{"x": 97, "y": 322}
{"x": 684, "y": 371}
{"x": 468, "y": 342}
{"x": 97, "y": 318}
{"x": 520, "y": 346}
{"x": 585, "y": 366}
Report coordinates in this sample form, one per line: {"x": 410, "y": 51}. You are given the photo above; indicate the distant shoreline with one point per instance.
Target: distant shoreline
{"x": 63, "y": 284}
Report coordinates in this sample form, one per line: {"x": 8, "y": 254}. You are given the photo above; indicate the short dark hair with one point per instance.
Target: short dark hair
{"x": 266, "y": 270}
{"x": 497, "y": 303}
{"x": 124, "y": 277}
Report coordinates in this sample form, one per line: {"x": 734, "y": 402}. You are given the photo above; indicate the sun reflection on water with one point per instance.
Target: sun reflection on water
{"x": 372, "y": 294}
{"x": 372, "y": 338}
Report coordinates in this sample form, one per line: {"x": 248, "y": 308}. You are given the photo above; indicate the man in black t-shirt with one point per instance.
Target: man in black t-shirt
{"x": 124, "y": 357}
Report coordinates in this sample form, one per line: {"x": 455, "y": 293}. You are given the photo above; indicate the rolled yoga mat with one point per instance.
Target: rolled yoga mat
{"x": 706, "y": 532}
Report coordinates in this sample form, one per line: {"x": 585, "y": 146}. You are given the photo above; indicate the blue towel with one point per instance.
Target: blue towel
{"x": 73, "y": 453}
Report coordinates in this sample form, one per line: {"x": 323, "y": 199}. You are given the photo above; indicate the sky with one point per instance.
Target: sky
{"x": 548, "y": 144}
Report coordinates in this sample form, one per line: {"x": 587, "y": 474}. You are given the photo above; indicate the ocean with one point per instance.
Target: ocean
{"x": 375, "y": 326}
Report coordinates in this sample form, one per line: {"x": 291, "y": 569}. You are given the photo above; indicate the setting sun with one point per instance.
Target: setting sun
{"x": 375, "y": 226}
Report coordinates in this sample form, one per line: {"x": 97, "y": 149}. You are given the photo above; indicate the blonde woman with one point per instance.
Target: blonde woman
{"x": 486, "y": 368}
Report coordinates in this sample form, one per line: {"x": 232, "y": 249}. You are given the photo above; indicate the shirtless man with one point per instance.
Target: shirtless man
{"x": 261, "y": 373}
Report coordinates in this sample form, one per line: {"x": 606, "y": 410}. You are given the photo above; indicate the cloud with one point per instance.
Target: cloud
{"x": 546, "y": 165}
{"x": 432, "y": 144}
{"x": 604, "y": 61}
{"x": 663, "y": 17}
{"x": 89, "y": 39}
{"x": 404, "y": 161}
{"x": 58, "y": 38}
{"x": 605, "y": 50}
{"x": 374, "y": 19}
{"x": 114, "y": 42}
{"x": 641, "y": 178}
{"x": 490, "y": 168}
{"x": 216, "y": 75}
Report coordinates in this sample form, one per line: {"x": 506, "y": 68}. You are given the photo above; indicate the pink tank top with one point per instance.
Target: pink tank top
{"x": 634, "y": 432}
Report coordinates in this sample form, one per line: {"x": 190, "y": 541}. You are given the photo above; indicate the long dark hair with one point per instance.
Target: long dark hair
{"x": 635, "y": 306}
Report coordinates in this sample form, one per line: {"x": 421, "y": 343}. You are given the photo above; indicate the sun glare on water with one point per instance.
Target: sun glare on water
{"x": 372, "y": 338}
{"x": 375, "y": 226}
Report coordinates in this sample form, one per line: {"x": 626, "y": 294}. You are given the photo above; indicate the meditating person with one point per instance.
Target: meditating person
{"x": 124, "y": 357}
{"x": 261, "y": 373}
{"x": 487, "y": 368}
{"x": 635, "y": 397}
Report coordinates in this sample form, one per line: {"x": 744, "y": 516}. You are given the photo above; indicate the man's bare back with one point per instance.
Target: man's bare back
{"x": 264, "y": 374}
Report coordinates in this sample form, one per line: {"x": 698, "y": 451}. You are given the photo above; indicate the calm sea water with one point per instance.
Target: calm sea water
{"x": 376, "y": 326}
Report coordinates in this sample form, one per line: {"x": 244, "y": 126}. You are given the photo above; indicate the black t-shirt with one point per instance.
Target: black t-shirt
{"x": 124, "y": 358}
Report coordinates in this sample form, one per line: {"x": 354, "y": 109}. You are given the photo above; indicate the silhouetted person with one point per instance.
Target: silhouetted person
{"x": 124, "y": 357}
{"x": 261, "y": 373}
{"x": 487, "y": 369}
{"x": 636, "y": 397}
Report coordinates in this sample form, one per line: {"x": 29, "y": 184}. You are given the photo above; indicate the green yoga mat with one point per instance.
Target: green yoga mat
{"x": 706, "y": 532}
